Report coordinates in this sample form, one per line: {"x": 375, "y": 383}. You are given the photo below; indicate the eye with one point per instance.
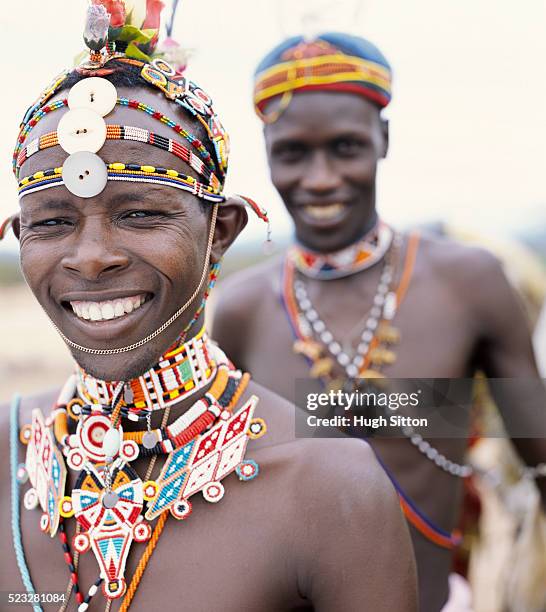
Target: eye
{"x": 141, "y": 214}
{"x": 51, "y": 223}
{"x": 349, "y": 147}
{"x": 289, "y": 152}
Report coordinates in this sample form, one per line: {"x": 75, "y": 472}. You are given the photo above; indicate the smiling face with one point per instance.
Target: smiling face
{"x": 109, "y": 270}
{"x": 323, "y": 153}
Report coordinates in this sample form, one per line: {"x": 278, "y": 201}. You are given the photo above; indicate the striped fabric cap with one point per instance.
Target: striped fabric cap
{"x": 331, "y": 62}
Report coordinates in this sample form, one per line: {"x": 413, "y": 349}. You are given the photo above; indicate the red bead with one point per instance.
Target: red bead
{"x": 133, "y": 104}
{"x": 79, "y": 597}
{"x": 157, "y": 115}
{"x": 67, "y": 557}
{"x": 74, "y": 577}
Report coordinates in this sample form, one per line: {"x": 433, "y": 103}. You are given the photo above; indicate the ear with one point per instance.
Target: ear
{"x": 14, "y": 222}
{"x": 230, "y": 221}
{"x": 385, "y": 132}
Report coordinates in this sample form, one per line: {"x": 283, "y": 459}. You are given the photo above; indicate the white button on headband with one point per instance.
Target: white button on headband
{"x": 94, "y": 93}
{"x": 84, "y": 174}
{"x": 81, "y": 130}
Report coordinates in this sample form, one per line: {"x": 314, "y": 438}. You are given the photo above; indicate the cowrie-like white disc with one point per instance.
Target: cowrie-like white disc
{"x": 84, "y": 174}
{"x": 94, "y": 93}
{"x": 81, "y": 129}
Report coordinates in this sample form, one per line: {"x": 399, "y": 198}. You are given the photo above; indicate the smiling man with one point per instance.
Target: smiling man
{"x": 354, "y": 298}
{"x": 122, "y": 226}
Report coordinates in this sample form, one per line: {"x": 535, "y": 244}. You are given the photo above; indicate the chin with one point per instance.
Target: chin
{"x": 327, "y": 241}
{"x": 124, "y": 366}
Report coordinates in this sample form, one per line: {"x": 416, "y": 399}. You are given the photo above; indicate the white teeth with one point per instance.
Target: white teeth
{"x": 94, "y": 312}
{"x": 325, "y": 212}
{"x": 109, "y": 309}
{"x": 118, "y": 308}
{"x": 84, "y": 307}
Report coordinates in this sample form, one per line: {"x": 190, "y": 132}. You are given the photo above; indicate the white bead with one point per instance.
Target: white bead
{"x": 81, "y": 130}
{"x": 431, "y": 452}
{"x": 84, "y": 174}
{"x": 111, "y": 442}
{"x": 326, "y": 337}
{"x": 352, "y": 371}
{"x": 312, "y": 315}
{"x": 367, "y": 336}
{"x": 319, "y": 326}
{"x": 94, "y": 93}
{"x": 423, "y": 446}
{"x": 343, "y": 359}
{"x": 334, "y": 348}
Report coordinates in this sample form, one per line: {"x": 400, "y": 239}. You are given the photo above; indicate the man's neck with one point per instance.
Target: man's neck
{"x": 178, "y": 379}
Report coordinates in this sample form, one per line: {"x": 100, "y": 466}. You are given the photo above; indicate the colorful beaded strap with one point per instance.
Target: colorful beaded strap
{"x": 127, "y": 132}
{"x": 53, "y": 177}
{"x": 141, "y": 106}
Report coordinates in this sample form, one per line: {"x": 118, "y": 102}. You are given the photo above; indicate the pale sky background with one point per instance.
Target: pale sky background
{"x": 468, "y": 127}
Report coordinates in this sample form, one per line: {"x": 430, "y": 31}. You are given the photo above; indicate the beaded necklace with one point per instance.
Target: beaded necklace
{"x": 109, "y": 499}
{"x": 358, "y": 256}
{"x": 313, "y": 340}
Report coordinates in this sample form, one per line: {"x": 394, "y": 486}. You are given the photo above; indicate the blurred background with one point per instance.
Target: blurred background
{"x": 467, "y": 123}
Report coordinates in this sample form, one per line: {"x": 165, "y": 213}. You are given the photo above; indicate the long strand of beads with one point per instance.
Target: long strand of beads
{"x": 431, "y": 453}
{"x": 70, "y": 562}
{"x": 90, "y": 594}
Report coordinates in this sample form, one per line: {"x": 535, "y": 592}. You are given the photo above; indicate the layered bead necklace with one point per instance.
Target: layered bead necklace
{"x": 110, "y": 502}
{"x": 375, "y": 347}
{"x": 313, "y": 339}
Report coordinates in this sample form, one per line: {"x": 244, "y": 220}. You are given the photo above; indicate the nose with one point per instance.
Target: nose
{"x": 94, "y": 253}
{"x": 320, "y": 175}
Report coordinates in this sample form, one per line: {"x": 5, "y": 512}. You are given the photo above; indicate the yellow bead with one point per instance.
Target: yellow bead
{"x": 25, "y": 181}
{"x": 117, "y": 166}
{"x": 38, "y": 175}
{"x": 172, "y": 173}
{"x": 147, "y": 168}
{"x": 66, "y": 509}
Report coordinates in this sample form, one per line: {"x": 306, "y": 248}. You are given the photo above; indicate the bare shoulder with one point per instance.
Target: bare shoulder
{"x": 247, "y": 288}
{"x": 347, "y": 465}
{"x": 27, "y": 404}
{"x": 459, "y": 263}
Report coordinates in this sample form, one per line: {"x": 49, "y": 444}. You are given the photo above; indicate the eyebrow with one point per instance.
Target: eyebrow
{"x": 128, "y": 196}
{"x": 53, "y": 205}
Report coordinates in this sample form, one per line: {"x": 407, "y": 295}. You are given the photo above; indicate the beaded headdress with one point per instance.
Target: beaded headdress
{"x": 121, "y": 35}
{"x": 330, "y": 62}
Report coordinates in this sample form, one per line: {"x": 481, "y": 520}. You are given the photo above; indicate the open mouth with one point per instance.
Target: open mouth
{"x": 107, "y": 310}
{"x": 325, "y": 212}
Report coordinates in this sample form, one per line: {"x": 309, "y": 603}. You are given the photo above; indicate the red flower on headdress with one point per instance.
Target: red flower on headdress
{"x": 153, "y": 12}
{"x": 116, "y": 8}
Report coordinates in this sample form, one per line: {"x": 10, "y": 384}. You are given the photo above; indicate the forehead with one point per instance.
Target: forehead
{"x": 115, "y": 150}
{"x": 322, "y": 114}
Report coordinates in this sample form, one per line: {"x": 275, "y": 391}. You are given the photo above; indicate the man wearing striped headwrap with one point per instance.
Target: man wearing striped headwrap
{"x": 352, "y": 298}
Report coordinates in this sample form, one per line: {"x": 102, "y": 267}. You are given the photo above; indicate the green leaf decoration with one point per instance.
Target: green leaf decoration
{"x": 131, "y": 33}
{"x": 134, "y": 52}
